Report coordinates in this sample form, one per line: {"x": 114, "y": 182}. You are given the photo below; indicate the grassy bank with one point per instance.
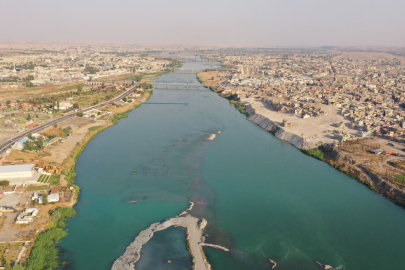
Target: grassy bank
{"x": 199, "y": 79}
{"x": 315, "y": 153}
{"x": 139, "y": 77}
{"x": 319, "y": 153}
{"x": 44, "y": 254}
{"x": 241, "y": 107}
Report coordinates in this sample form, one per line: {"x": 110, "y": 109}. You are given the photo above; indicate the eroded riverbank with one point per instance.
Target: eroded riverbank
{"x": 262, "y": 198}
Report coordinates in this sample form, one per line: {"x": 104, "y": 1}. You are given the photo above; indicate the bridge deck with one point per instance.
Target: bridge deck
{"x": 176, "y": 103}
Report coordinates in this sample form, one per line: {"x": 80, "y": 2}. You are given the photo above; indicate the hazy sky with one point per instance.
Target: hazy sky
{"x": 223, "y": 22}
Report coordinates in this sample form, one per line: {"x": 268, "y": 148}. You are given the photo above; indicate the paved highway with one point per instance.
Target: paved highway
{"x": 9, "y": 143}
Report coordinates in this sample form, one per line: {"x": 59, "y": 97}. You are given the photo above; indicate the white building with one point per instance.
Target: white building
{"x": 65, "y": 105}
{"x": 53, "y": 197}
{"x": 16, "y": 171}
{"x": 20, "y": 144}
{"x": 27, "y": 216}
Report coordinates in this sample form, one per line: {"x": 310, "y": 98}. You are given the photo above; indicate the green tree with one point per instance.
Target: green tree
{"x": 4, "y": 183}
{"x": 30, "y": 136}
{"x": 76, "y": 106}
{"x": 28, "y": 145}
{"x": 45, "y": 196}
{"x": 67, "y": 130}
{"x": 29, "y": 117}
{"x": 41, "y": 142}
{"x": 29, "y": 78}
{"x": 79, "y": 114}
{"x": 79, "y": 89}
{"x": 138, "y": 78}
{"x": 18, "y": 267}
{"x": 91, "y": 70}
{"x": 8, "y": 102}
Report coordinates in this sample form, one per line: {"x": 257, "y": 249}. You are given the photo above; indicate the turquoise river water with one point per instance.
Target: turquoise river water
{"x": 262, "y": 197}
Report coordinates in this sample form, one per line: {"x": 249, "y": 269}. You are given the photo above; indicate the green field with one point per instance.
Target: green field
{"x": 94, "y": 128}
{"x": 34, "y": 188}
{"x": 44, "y": 178}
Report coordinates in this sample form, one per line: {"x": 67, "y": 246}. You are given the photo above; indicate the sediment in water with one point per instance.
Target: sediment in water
{"x": 194, "y": 226}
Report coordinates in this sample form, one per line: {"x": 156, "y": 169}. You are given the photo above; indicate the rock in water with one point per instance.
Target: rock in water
{"x": 273, "y": 264}
{"x": 324, "y": 266}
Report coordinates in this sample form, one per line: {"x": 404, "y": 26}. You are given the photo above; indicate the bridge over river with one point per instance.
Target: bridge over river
{"x": 262, "y": 198}
{"x": 180, "y": 86}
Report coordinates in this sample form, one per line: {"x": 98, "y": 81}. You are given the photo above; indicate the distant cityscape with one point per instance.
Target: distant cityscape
{"x": 341, "y": 105}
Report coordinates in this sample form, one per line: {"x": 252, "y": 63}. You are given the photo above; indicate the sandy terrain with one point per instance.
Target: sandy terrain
{"x": 207, "y": 76}
{"x": 4, "y": 135}
{"x": 368, "y": 56}
{"x": 80, "y": 129}
{"x": 25, "y": 92}
{"x": 18, "y": 232}
{"x": 311, "y": 129}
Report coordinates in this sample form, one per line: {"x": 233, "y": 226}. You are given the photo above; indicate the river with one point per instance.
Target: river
{"x": 262, "y": 197}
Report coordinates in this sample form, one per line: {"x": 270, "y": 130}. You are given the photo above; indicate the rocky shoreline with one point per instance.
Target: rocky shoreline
{"x": 332, "y": 157}
{"x": 278, "y": 131}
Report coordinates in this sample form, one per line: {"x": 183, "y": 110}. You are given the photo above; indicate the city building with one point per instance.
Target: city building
{"x": 16, "y": 171}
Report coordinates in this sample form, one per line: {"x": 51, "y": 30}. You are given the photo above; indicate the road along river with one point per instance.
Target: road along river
{"x": 262, "y": 198}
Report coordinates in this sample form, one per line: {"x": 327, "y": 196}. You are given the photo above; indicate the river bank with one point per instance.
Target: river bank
{"x": 335, "y": 158}
{"x": 57, "y": 226}
{"x": 242, "y": 184}
{"x": 62, "y": 156}
{"x": 318, "y": 146}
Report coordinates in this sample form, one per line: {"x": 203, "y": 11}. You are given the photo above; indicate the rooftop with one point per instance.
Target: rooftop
{"x": 16, "y": 168}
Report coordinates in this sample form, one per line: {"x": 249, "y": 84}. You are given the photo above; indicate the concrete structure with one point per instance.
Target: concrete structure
{"x": 20, "y": 144}
{"x": 53, "y": 197}
{"x": 16, "y": 171}
{"x": 27, "y": 216}
{"x": 65, "y": 105}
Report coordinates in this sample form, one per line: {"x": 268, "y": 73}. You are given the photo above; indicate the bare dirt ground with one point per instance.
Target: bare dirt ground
{"x": 312, "y": 129}
{"x": 80, "y": 128}
{"x": 19, "y": 155}
{"x": 206, "y": 77}
{"x": 25, "y": 232}
{"x": 6, "y": 52}
{"x": 25, "y": 92}
{"x": 4, "y": 135}
{"x": 367, "y": 56}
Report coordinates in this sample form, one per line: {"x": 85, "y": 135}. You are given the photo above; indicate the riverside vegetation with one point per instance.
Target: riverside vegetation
{"x": 44, "y": 254}
{"x": 360, "y": 174}
{"x": 241, "y": 107}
